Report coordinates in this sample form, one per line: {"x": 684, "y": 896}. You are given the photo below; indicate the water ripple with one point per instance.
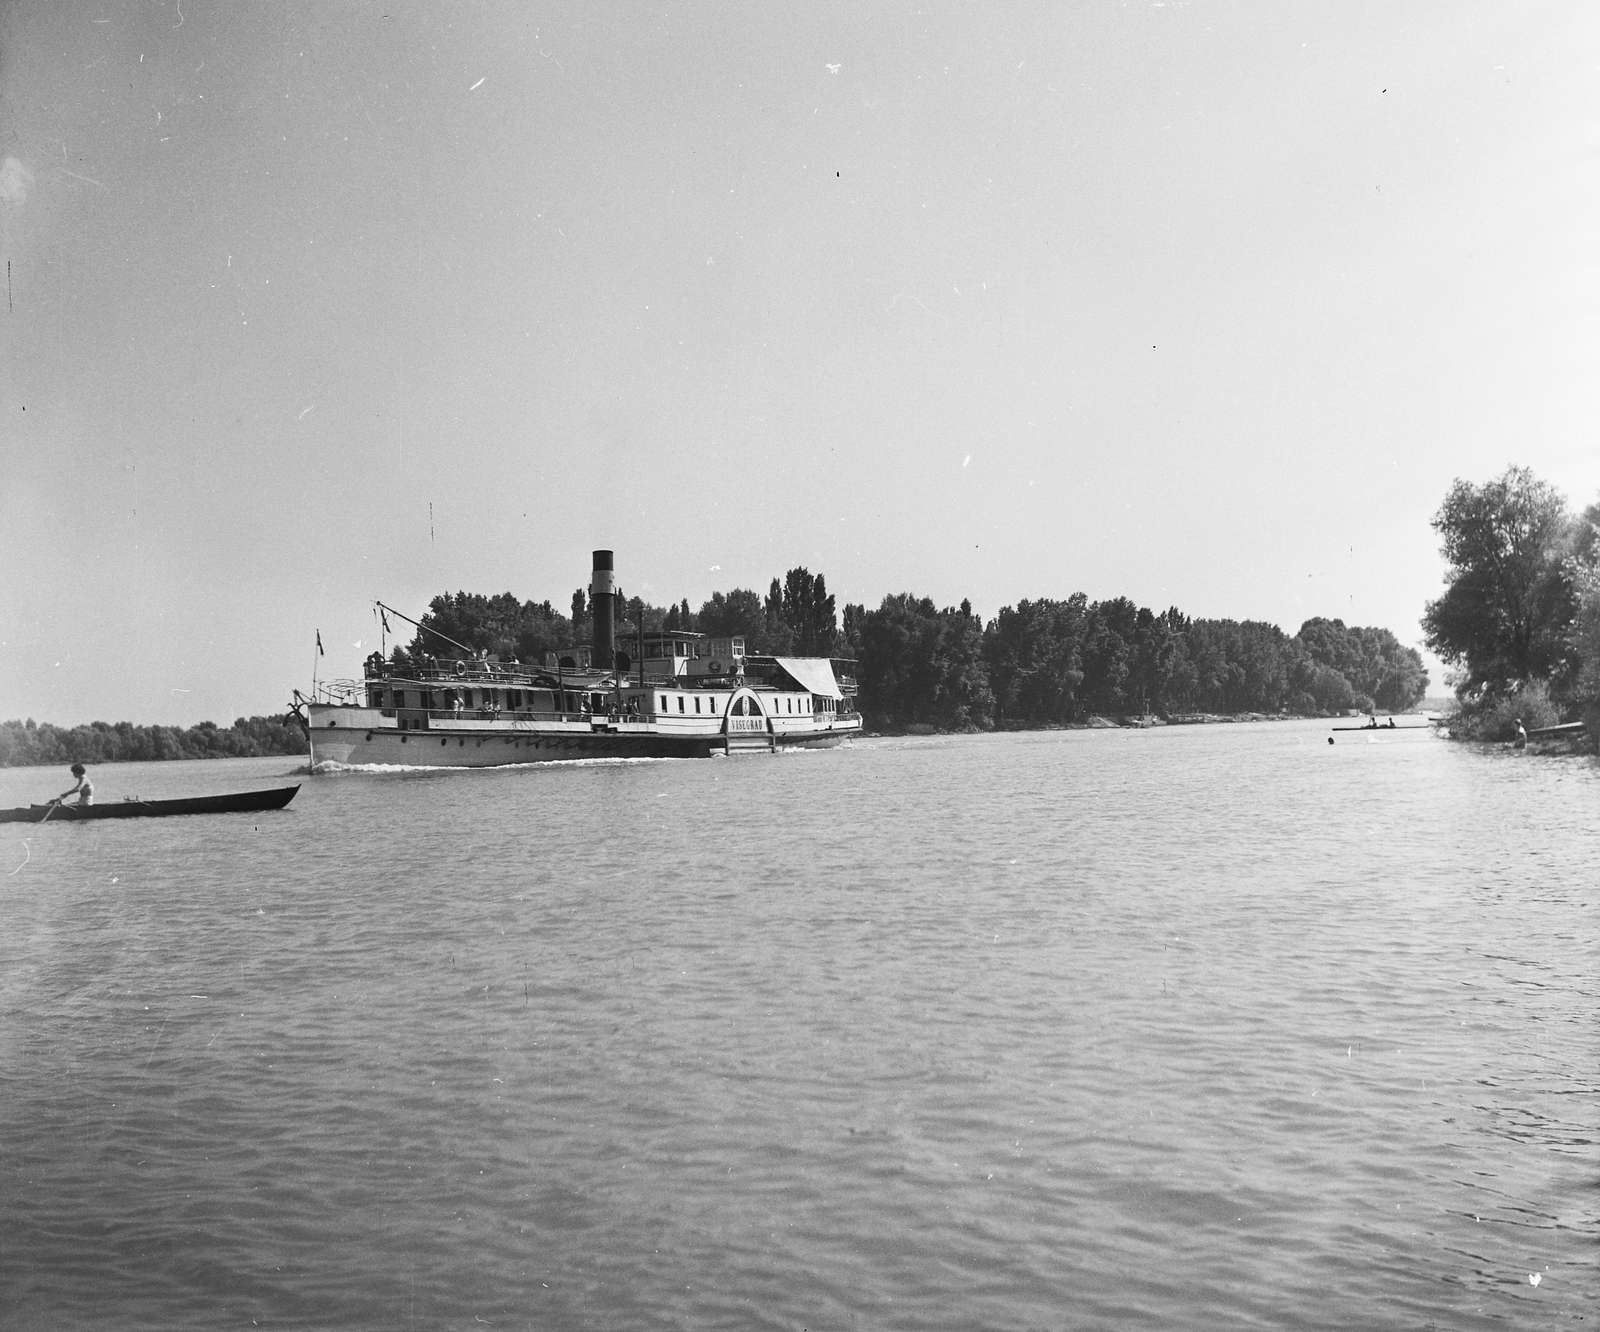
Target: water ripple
{"x": 1205, "y": 1027}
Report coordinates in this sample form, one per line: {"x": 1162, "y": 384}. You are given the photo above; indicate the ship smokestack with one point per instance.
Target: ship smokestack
{"x": 602, "y": 607}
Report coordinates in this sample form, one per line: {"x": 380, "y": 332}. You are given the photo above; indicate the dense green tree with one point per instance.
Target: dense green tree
{"x": 1032, "y": 654}
{"x": 30, "y": 743}
{"x": 1170, "y": 680}
{"x": 1107, "y": 655}
{"x": 806, "y": 608}
{"x": 1060, "y": 661}
{"x": 1374, "y": 662}
{"x": 1584, "y": 541}
{"x": 1585, "y": 636}
{"x": 1317, "y": 688}
{"x": 963, "y": 700}
{"x": 850, "y": 635}
{"x": 1583, "y": 639}
{"x": 1241, "y": 666}
{"x": 501, "y": 625}
{"x": 777, "y": 635}
{"x": 735, "y": 614}
{"x": 579, "y": 622}
{"x": 1508, "y": 601}
{"x": 924, "y": 666}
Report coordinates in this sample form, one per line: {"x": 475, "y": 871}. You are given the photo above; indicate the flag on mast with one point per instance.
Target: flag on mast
{"x": 320, "y": 652}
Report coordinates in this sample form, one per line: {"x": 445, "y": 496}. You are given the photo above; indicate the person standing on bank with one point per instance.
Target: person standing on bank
{"x": 84, "y": 790}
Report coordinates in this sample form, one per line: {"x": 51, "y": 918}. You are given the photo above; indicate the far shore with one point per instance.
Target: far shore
{"x": 1568, "y": 742}
{"x": 1102, "y": 723}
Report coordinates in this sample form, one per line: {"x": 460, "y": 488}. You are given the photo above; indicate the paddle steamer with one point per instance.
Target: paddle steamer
{"x": 676, "y": 695}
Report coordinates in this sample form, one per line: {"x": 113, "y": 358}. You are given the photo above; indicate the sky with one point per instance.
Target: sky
{"x": 1204, "y": 305}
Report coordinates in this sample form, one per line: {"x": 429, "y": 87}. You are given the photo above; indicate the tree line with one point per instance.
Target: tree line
{"x": 28, "y": 743}
{"x": 1519, "y": 620}
{"x": 796, "y": 618}
{"x": 1037, "y": 663}
{"x": 1057, "y": 662}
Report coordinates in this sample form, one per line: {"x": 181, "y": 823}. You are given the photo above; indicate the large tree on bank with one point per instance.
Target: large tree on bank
{"x": 924, "y": 666}
{"x": 1508, "y": 600}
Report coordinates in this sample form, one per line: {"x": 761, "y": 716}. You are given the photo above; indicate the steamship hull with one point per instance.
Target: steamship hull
{"x": 350, "y": 740}
{"x": 347, "y": 737}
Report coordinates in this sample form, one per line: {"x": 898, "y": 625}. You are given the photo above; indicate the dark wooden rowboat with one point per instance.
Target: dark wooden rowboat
{"x": 238, "y": 803}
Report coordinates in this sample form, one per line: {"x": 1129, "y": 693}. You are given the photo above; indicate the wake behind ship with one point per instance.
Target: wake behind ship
{"x": 679, "y": 695}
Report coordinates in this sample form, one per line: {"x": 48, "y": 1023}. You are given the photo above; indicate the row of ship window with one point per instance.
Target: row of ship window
{"x": 738, "y": 709}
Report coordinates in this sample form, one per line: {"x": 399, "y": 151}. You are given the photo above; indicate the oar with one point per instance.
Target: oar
{"x": 50, "y": 809}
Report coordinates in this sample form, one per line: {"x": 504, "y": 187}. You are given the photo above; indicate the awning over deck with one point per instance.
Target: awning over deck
{"x": 815, "y": 674}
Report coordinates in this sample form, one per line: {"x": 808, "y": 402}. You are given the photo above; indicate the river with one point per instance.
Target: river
{"x": 1201, "y": 1027}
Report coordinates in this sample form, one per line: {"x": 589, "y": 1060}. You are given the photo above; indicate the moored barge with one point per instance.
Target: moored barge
{"x": 677, "y": 695}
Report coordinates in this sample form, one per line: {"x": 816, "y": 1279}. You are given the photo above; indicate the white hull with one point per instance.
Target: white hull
{"x": 357, "y": 736}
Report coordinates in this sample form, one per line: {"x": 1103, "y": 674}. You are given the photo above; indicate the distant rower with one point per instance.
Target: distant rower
{"x": 84, "y": 790}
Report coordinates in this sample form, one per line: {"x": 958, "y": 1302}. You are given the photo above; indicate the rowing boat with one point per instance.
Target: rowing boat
{"x": 1565, "y": 728}
{"x": 239, "y": 802}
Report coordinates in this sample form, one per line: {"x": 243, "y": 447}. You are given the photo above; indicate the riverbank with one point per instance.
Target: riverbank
{"x": 1097, "y": 722}
{"x": 1550, "y": 726}
{"x": 31, "y": 744}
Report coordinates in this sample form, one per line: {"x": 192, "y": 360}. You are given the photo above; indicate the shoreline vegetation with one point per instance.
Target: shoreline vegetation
{"x": 1518, "y": 624}
{"x": 921, "y": 668}
{"x": 1036, "y": 664}
{"x": 1099, "y": 723}
{"x": 40, "y": 744}
{"x": 1519, "y": 620}
{"x": 28, "y": 744}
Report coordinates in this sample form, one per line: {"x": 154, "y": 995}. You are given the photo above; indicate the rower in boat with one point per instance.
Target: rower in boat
{"x": 84, "y": 790}
{"x": 131, "y": 808}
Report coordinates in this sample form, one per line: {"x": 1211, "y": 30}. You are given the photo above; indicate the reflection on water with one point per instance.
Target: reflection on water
{"x": 1198, "y": 1027}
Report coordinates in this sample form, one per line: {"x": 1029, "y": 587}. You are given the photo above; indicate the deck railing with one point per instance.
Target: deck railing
{"x": 531, "y": 675}
{"x": 574, "y": 682}
{"x": 446, "y": 673}
{"x": 529, "y": 715}
{"x": 513, "y": 714}
{"x": 342, "y": 692}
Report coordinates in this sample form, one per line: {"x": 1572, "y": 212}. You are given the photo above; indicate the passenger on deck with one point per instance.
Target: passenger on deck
{"x": 84, "y": 790}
